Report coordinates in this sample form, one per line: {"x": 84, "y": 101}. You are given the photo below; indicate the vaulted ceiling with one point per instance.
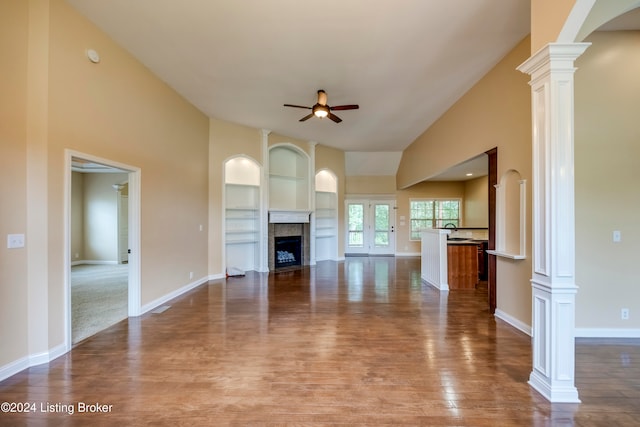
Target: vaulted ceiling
{"x": 405, "y": 62}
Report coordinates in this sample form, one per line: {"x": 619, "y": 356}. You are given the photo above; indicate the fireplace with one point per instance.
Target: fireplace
{"x": 287, "y": 231}
{"x": 287, "y": 251}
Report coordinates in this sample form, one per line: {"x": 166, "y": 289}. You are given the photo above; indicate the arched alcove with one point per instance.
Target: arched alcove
{"x": 511, "y": 194}
{"x": 326, "y": 215}
{"x": 288, "y": 178}
{"x": 242, "y": 223}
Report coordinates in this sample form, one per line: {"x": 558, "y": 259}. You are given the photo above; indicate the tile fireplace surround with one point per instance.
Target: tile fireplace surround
{"x": 286, "y": 230}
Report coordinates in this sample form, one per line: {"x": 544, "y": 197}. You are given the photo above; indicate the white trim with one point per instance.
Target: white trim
{"x": 363, "y": 196}
{"x": 407, "y": 254}
{"x": 25, "y": 362}
{"x": 433, "y": 259}
{"x": 505, "y": 254}
{"x": 516, "y": 323}
{"x": 218, "y": 276}
{"x": 606, "y": 333}
{"x": 94, "y": 262}
{"x": 444, "y": 287}
{"x": 133, "y": 291}
{"x": 12, "y": 368}
{"x": 171, "y": 295}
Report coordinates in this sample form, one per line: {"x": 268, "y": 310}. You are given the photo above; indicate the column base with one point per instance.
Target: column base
{"x": 554, "y": 394}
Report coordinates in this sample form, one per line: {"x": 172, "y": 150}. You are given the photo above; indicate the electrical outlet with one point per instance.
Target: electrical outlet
{"x": 15, "y": 241}
{"x": 191, "y": 275}
{"x": 617, "y": 236}
{"x": 624, "y": 314}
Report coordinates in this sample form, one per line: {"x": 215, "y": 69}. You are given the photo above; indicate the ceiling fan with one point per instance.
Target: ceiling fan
{"x": 322, "y": 109}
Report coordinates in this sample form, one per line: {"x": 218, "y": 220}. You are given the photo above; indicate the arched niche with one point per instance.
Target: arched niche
{"x": 511, "y": 204}
{"x": 326, "y": 181}
{"x": 242, "y": 170}
{"x": 288, "y": 178}
{"x": 326, "y": 215}
{"x": 242, "y": 217}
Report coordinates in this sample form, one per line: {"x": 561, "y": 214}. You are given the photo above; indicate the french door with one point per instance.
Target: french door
{"x": 371, "y": 227}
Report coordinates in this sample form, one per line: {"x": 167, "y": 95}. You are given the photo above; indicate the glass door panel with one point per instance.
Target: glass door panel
{"x": 356, "y": 231}
{"x": 383, "y": 228}
{"x": 370, "y": 227}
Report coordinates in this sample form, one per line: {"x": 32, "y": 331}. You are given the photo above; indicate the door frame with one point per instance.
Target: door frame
{"x": 369, "y": 202}
{"x": 392, "y": 226}
{"x": 134, "y": 304}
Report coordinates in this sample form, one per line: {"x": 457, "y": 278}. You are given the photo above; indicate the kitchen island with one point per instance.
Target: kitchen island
{"x": 452, "y": 262}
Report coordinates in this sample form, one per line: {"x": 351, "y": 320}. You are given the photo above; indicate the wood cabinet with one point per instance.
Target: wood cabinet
{"x": 462, "y": 260}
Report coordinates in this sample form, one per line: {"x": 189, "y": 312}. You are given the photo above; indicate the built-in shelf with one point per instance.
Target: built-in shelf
{"x": 326, "y": 215}
{"x": 241, "y": 242}
{"x": 242, "y": 213}
{"x": 506, "y": 255}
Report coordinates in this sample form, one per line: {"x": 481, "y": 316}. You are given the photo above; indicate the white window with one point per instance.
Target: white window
{"x": 433, "y": 213}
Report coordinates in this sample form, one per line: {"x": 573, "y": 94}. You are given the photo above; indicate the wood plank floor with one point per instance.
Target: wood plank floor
{"x": 360, "y": 342}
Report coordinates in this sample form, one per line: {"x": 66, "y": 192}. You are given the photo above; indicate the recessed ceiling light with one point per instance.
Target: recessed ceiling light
{"x": 469, "y": 174}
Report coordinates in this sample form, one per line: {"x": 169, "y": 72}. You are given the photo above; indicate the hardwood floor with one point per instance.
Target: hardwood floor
{"x": 360, "y": 342}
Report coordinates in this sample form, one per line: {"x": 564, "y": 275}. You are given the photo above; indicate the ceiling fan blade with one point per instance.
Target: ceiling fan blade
{"x": 307, "y": 117}
{"x": 345, "y": 107}
{"x": 335, "y": 118}
{"x": 297, "y": 106}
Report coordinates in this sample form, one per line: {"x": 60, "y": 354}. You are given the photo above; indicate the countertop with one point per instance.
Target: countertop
{"x": 465, "y": 241}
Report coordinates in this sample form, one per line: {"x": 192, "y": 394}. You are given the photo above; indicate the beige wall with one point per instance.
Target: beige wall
{"x": 548, "y": 18}
{"x": 115, "y": 110}
{"x": 77, "y": 217}
{"x": 607, "y": 150}
{"x": 13, "y": 203}
{"x": 100, "y": 216}
{"x": 364, "y": 185}
{"x": 496, "y": 112}
{"x": 476, "y": 203}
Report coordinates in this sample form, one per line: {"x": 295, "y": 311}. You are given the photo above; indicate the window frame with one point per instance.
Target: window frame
{"x": 434, "y": 220}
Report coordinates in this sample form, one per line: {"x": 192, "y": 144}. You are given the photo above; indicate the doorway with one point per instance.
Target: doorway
{"x": 371, "y": 227}
{"x": 101, "y": 244}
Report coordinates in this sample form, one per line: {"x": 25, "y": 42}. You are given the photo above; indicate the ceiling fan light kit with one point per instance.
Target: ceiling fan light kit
{"x": 321, "y": 109}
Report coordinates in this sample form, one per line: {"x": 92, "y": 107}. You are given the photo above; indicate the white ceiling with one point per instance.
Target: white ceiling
{"x": 405, "y": 62}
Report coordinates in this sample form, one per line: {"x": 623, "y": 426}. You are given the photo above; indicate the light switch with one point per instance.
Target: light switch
{"x": 617, "y": 237}
{"x": 15, "y": 241}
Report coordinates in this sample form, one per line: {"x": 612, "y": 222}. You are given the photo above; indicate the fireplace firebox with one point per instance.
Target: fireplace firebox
{"x": 287, "y": 251}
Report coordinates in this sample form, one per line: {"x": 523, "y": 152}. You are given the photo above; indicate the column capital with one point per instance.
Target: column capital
{"x": 553, "y": 57}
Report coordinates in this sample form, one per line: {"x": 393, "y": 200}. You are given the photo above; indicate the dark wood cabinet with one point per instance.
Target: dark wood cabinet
{"x": 462, "y": 260}
{"x": 482, "y": 261}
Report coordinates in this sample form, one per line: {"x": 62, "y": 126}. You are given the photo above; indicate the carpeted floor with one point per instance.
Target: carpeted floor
{"x": 99, "y": 295}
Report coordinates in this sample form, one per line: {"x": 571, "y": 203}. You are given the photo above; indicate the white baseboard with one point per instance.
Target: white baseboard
{"x": 23, "y": 363}
{"x": 14, "y": 367}
{"x": 444, "y": 287}
{"x": 606, "y": 333}
{"x": 171, "y": 295}
{"x": 94, "y": 262}
{"x": 403, "y": 254}
{"x": 521, "y": 326}
{"x": 217, "y": 276}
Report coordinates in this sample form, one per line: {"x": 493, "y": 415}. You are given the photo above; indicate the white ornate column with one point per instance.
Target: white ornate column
{"x": 553, "y": 280}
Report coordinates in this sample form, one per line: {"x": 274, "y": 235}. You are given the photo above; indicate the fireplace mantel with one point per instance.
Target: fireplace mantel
{"x": 288, "y": 216}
